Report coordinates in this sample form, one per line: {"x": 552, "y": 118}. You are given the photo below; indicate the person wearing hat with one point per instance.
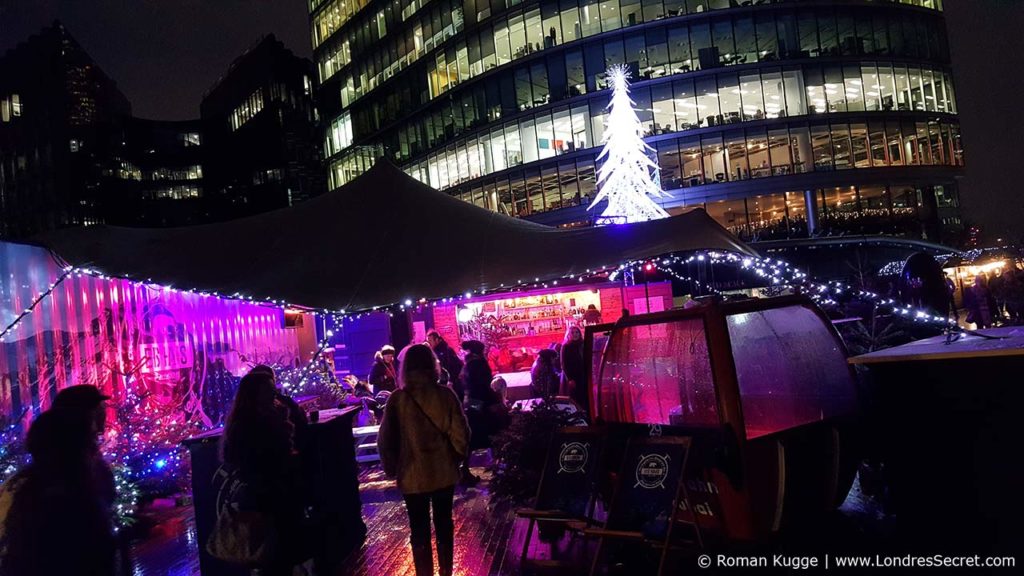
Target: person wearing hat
{"x": 52, "y": 519}
{"x": 87, "y": 403}
{"x": 86, "y": 400}
{"x": 384, "y": 374}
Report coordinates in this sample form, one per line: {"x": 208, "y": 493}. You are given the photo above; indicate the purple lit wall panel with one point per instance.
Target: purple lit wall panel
{"x": 182, "y": 351}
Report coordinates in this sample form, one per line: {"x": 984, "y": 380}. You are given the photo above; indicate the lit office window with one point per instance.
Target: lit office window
{"x": 252, "y": 106}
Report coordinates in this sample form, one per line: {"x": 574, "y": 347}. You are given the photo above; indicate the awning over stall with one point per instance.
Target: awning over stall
{"x": 383, "y": 238}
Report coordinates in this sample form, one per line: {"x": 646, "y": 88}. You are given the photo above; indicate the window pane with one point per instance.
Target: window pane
{"x": 854, "y": 88}
{"x": 894, "y": 142}
{"x": 816, "y": 102}
{"x": 545, "y": 137}
{"x": 575, "y": 79}
{"x": 552, "y": 194}
{"x": 800, "y": 145}
{"x": 821, "y": 143}
{"x": 700, "y": 46}
{"x": 664, "y": 108}
{"x": 757, "y": 153}
{"x": 859, "y": 142}
{"x": 689, "y": 152}
{"x": 842, "y": 148}
{"x": 725, "y": 48}
{"x": 732, "y": 214}
{"x": 729, "y": 97}
{"x": 679, "y": 49}
{"x": 746, "y": 41}
{"x": 753, "y": 101}
{"x": 767, "y": 41}
{"x": 774, "y": 100}
{"x": 659, "y": 375}
{"x": 685, "y": 105}
{"x": 795, "y": 101}
{"x": 669, "y": 164}
{"x": 736, "y": 154}
{"x": 714, "y": 158}
{"x": 778, "y": 147}
{"x": 707, "y": 102}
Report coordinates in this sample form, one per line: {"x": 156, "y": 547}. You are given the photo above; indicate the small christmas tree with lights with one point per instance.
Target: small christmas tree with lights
{"x": 628, "y": 175}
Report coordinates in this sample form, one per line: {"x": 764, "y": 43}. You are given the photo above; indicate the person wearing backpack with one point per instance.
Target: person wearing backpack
{"x": 422, "y": 441}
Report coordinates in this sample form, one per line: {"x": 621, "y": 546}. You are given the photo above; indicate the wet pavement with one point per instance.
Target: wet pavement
{"x": 488, "y": 539}
{"x": 485, "y": 534}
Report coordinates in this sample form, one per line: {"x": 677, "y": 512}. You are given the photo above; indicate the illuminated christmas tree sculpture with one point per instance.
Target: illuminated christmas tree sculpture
{"x": 628, "y": 175}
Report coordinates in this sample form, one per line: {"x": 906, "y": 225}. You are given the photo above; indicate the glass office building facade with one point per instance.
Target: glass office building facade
{"x": 780, "y": 117}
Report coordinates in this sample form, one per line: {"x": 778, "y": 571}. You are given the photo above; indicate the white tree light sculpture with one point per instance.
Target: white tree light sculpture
{"x": 628, "y": 175}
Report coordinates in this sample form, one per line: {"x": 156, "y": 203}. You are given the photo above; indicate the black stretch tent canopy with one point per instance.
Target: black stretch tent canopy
{"x": 377, "y": 241}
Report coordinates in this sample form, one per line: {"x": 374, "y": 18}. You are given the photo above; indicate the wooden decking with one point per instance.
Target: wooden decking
{"x": 487, "y": 538}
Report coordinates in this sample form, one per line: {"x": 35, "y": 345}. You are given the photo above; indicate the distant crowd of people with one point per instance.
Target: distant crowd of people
{"x": 995, "y": 298}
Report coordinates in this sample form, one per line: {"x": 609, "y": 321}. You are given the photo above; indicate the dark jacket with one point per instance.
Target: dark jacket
{"x": 55, "y": 525}
{"x": 423, "y": 437}
{"x": 544, "y": 378}
{"x": 574, "y": 369}
{"x": 383, "y": 376}
{"x": 450, "y": 362}
{"x": 476, "y": 378}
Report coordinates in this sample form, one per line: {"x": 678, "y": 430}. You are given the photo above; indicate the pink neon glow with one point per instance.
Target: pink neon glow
{"x": 115, "y": 333}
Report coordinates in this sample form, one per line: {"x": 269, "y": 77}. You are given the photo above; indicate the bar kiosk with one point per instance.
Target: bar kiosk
{"x": 761, "y": 385}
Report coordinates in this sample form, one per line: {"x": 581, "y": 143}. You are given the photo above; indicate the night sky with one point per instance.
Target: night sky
{"x": 165, "y": 53}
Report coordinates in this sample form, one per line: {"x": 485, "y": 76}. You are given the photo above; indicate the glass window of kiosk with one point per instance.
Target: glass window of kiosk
{"x": 786, "y": 369}
{"x": 659, "y": 374}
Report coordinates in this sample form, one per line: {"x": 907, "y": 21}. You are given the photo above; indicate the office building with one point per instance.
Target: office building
{"x": 261, "y": 133}
{"x": 61, "y": 120}
{"x": 161, "y": 175}
{"x": 782, "y": 118}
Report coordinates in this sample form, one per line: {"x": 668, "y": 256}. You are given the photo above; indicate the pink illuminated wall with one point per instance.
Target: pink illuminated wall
{"x": 180, "y": 351}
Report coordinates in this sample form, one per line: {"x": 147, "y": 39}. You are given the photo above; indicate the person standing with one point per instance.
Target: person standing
{"x": 384, "y": 373}
{"x": 54, "y": 519}
{"x": 486, "y": 414}
{"x": 979, "y": 303}
{"x": 296, "y": 415}
{"x": 544, "y": 378}
{"x": 449, "y": 362}
{"x": 573, "y": 367}
{"x": 423, "y": 439}
{"x": 91, "y": 405}
{"x": 259, "y": 445}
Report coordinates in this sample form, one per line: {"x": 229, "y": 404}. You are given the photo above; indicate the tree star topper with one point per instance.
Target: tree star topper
{"x": 628, "y": 175}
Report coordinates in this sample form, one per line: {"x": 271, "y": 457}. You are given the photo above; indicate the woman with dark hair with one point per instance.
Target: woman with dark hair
{"x": 258, "y": 445}
{"x": 423, "y": 439}
{"x": 58, "y": 522}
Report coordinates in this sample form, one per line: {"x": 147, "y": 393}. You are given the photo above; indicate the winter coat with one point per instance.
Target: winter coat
{"x": 544, "y": 379}
{"x": 476, "y": 379}
{"x": 382, "y": 376}
{"x": 574, "y": 369}
{"x": 450, "y": 362}
{"x": 423, "y": 446}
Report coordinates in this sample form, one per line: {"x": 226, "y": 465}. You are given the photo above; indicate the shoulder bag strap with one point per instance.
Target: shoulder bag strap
{"x": 443, "y": 432}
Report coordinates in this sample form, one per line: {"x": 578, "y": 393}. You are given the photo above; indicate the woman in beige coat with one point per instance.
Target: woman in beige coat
{"x": 423, "y": 438}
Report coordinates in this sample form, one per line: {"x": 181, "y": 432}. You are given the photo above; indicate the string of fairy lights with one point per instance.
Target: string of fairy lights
{"x": 138, "y": 460}
{"x": 774, "y": 272}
